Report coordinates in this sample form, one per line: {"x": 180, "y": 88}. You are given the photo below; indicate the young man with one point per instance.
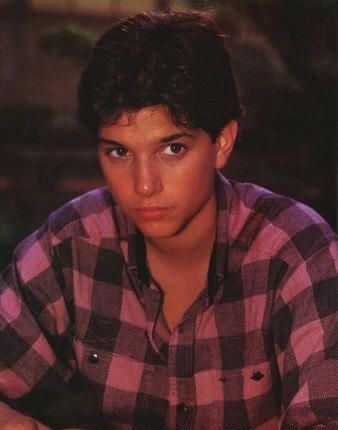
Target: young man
{"x": 177, "y": 299}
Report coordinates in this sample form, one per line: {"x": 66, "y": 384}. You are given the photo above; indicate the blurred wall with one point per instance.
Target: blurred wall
{"x": 284, "y": 56}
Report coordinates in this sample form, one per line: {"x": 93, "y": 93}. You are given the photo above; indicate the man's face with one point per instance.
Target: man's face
{"x": 161, "y": 175}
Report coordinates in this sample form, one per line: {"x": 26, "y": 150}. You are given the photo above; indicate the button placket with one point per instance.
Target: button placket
{"x": 184, "y": 373}
{"x": 182, "y": 408}
{"x": 186, "y": 415}
{"x": 186, "y": 406}
{"x": 181, "y": 328}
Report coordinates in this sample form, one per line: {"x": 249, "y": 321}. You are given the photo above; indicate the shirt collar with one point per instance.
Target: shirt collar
{"x": 133, "y": 248}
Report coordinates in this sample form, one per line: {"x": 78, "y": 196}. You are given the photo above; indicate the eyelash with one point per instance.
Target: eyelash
{"x": 109, "y": 152}
{"x": 182, "y": 149}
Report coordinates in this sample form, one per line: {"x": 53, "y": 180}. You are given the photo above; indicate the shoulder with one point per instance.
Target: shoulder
{"x": 89, "y": 215}
{"x": 268, "y": 223}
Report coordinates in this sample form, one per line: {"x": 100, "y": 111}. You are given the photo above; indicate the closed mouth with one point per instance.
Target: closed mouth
{"x": 152, "y": 212}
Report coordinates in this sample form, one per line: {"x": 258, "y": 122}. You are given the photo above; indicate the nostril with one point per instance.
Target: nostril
{"x": 257, "y": 376}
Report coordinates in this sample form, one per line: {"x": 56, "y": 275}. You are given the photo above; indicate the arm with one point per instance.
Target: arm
{"x": 304, "y": 332}
{"x": 13, "y": 420}
{"x": 36, "y": 356}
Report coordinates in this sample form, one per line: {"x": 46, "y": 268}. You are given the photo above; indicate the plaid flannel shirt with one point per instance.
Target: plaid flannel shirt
{"x": 254, "y": 351}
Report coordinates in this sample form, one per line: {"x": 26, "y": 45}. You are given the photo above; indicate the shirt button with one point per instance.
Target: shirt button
{"x": 93, "y": 358}
{"x": 182, "y": 408}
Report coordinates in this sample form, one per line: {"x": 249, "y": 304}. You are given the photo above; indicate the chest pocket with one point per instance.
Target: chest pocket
{"x": 246, "y": 383}
{"x": 112, "y": 368}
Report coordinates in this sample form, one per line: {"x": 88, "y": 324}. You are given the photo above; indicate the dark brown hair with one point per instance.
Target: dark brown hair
{"x": 176, "y": 59}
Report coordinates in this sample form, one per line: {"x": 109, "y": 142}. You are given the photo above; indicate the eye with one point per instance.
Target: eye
{"x": 174, "y": 149}
{"x": 117, "y": 152}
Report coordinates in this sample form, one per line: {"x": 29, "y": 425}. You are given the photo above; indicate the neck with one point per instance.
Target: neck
{"x": 193, "y": 243}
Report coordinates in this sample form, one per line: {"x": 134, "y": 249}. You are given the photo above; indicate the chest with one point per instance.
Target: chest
{"x": 178, "y": 297}
{"x": 206, "y": 371}
{"x": 180, "y": 288}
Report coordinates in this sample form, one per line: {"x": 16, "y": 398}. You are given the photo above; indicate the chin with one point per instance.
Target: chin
{"x": 158, "y": 231}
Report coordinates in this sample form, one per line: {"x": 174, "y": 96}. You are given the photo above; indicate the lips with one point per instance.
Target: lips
{"x": 151, "y": 213}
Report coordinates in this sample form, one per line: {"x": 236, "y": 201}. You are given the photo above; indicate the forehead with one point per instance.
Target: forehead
{"x": 159, "y": 114}
{"x": 151, "y": 123}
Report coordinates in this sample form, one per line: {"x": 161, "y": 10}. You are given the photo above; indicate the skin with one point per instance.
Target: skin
{"x": 13, "y": 420}
{"x": 148, "y": 161}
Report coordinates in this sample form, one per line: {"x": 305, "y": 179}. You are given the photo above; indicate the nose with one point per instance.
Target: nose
{"x": 147, "y": 179}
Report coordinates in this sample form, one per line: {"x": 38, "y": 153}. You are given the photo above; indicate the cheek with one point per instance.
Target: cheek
{"x": 193, "y": 177}
{"x": 119, "y": 189}
{"x": 118, "y": 183}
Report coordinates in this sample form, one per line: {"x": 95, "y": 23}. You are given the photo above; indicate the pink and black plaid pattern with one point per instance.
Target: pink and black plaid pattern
{"x": 255, "y": 351}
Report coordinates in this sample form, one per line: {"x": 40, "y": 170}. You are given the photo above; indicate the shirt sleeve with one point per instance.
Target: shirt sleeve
{"x": 36, "y": 354}
{"x": 304, "y": 333}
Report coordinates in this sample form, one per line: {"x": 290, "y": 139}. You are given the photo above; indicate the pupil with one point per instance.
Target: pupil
{"x": 175, "y": 149}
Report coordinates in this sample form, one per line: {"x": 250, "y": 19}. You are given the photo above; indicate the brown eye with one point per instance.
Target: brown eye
{"x": 174, "y": 149}
{"x": 118, "y": 152}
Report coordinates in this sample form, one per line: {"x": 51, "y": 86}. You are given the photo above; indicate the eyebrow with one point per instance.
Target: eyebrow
{"x": 166, "y": 139}
{"x": 176, "y": 136}
{"x": 102, "y": 141}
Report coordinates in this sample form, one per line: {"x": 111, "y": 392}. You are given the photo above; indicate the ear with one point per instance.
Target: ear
{"x": 225, "y": 143}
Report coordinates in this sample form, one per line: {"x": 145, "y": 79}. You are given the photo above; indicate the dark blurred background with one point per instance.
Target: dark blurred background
{"x": 283, "y": 54}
